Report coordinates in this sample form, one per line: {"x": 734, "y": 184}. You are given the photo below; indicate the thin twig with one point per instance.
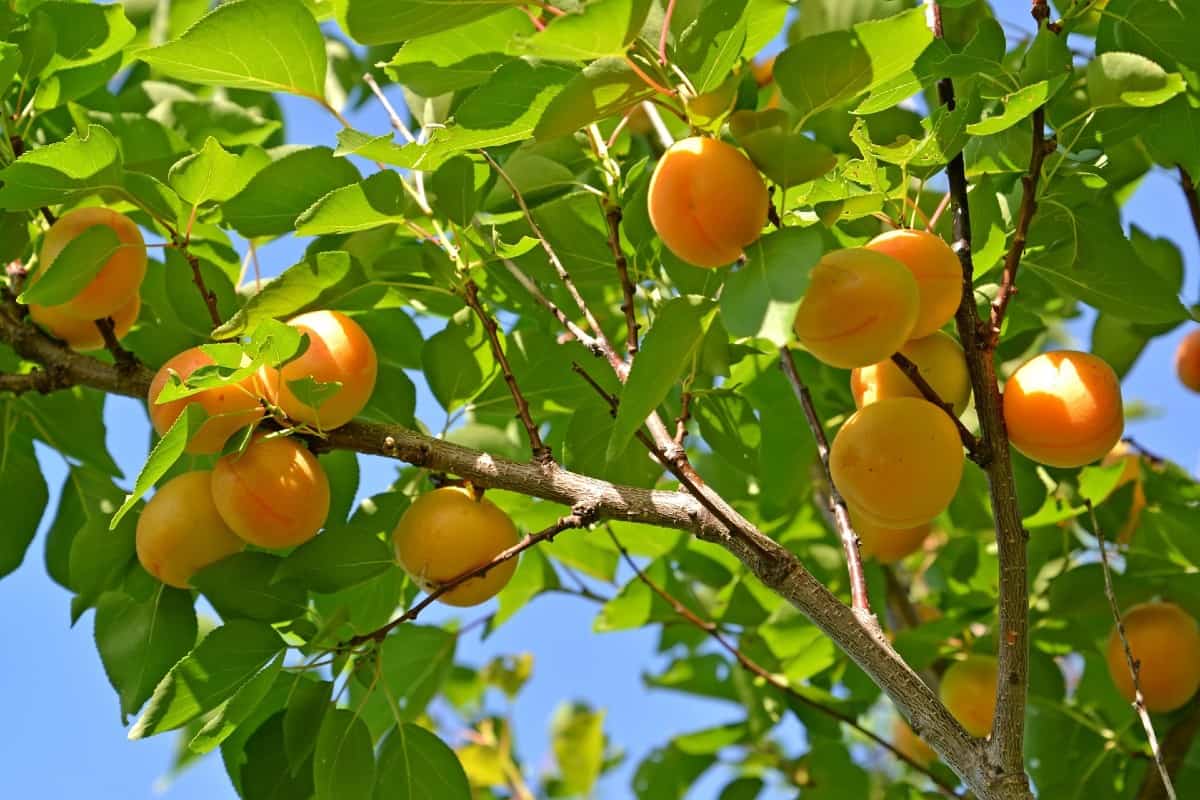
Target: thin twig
{"x": 859, "y": 599}
{"x": 897, "y": 592}
{"x": 124, "y": 359}
{"x": 942, "y": 205}
{"x": 1189, "y": 192}
{"x": 666, "y": 32}
{"x": 1139, "y": 702}
{"x": 685, "y": 414}
{"x": 913, "y": 373}
{"x": 1175, "y": 748}
{"x": 389, "y": 109}
{"x": 612, "y": 215}
{"x": 209, "y": 296}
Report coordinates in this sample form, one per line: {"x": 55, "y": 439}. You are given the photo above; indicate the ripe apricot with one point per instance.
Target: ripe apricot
{"x": 763, "y": 71}
{"x": 338, "y": 350}
{"x": 273, "y": 494}
{"x": 181, "y": 532}
{"x": 969, "y": 692}
{"x": 707, "y": 201}
{"x": 859, "y": 308}
{"x": 229, "y": 408}
{"x": 1187, "y": 361}
{"x": 887, "y": 545}
{"x": 82, "y": 334}
{"x": 120, "y": 277}
{"x": 936, "y": 269}
{"x": 1063, "y": 408}
{"x": 1132, "y": 473}
{"x": 913, "y": 746}
{"x": 1166, "y": 640}
{"x": 449, "y": 532}
{"x": 898, "y": 462}
{"x": 941, "y": 362}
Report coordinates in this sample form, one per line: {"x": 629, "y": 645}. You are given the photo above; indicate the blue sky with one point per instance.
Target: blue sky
{"x": 64, "y": 737}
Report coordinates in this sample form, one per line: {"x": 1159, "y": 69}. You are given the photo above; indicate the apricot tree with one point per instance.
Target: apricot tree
{"x": 749, "y": 322}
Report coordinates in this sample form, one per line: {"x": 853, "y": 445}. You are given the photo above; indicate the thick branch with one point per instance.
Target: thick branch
{"x": 913, "y": 373}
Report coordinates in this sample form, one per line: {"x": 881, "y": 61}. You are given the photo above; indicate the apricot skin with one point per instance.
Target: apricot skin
{"x": 941, "y": 362}
{"x": 338, "y": 350}
{"x": 897, "y": 462}
{"x": 180, "y": 531}
{"x": 1166, "y": 640}
{"x": 1064, "y": 408}
{"x": 859, "y": 308}
{"x": 707, "y": 201}
{"x": 1132, "y": 473}
{"x": 447, "y": 533}
{"x": 913, "y": 746}
{"x": 936, "y": 269}
{"x": 120, "y": 277}
{"x": 82, "y": 334}
{"x": 969, "y": 692}
{"x": 229, "y": 408}
{"x": 1187, "y": 361}
{"x": 274, "y": 494}
{"x": 887, "y": 545}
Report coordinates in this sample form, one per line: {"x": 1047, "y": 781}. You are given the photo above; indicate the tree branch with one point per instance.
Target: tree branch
{"x": 1175, "y": 747}
{"x": 209, "y": 296}
{"x": 913, "y": 373}
{"x": 42, "y": 381}
{"x": 1189, "y": 193}
{"x": 124, "y": 359}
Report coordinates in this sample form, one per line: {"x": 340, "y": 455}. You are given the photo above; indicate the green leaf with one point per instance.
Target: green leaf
{"x": 710, "y": 47}
{"x": 241, "y": 586}
{"x": 387, "y": 21}
{"x": 456, "y": 185}
{"x": 785, "y": 156}
{"x": 1128, "y": 79}
{"x": 458, "y": 58}
{"x": 264, "y": 45}
{"x": 415, "y": 764}
{"x": 262, "y": 767}
{"x": 414, "y": 663}
{"x": 378, "y": 200}
{"x": 84, "y": 33}
{"x": 666, "y": 354}
{"x": 342, "y": 468}
{"x": 577, "y": 737}
{"x": 140, "y": 640}
{"x": 458, "y": 361}
{"x": 213, "y": 672}
{"x": 164, "y": 455}
{"x": 73, "y": 268}
{"x": 606, "y": 87}
{"x": 25, "y": 501}
{"x": 10, "y": 59}
{"x": 56, "y": 173}
{"x": 761, "y": 297}
{"x": 1017, "y": 106}
{"x": 338, "y": 558}
{"x": 306, "y": 709}
{"x": 285, "y": 189}
{"x": 604, "y": 28}
{"x": 98, "y": 560}
{"x": 344, "y": 758}
{"x": 212, "y": 174}
{"x": 236, "y": 709}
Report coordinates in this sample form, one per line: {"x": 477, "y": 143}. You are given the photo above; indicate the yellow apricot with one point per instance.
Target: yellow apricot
{"x": 898, "y": 462}
{"x": 229, "y": 408}
{"x": 1166, "y": 641}
{"x": 911, "y": 745}
{"x": 859, "y": 308}
{"x": 1064, "y": 408}
{"x": 1132, "y": 473}
{"x": 82, "y": 334}
{"x": 707, "y": 201}
{"x": 763, "y": 71}
{"x": 273, "y": 494}
{"x": 969, "y": 692}
{"x": 449, "y": 532}
{"x": 120, "y": 277}
{"x": 887, "y": 545}
{"x": 941, "y": 362}
{"x": 936, "y": 268}
{"x": 338, "y": 350}
{"x": 1187, "y": 361}
{"x": 180, "y": 531}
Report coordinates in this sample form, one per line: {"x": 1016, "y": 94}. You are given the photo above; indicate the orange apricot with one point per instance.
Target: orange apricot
{"x": 180, "y": 531}
{"x": 120, "y": 277}
{"x": 898, "y": 462}
{"x": 1165, "y": 639}
{"x": 941, "y": 362}
{"x": 338, "y": 350}
{"x": 82, "y": 334}
{"x": 936, "y": 269}
{"x": 1064, "y": 408}
{"x": 969, "y": 692}
{"x": 887, "y": 545}
{"x": 907, "y": 742}
{"x": 1187, "y": 361}
{"x": 859, "y": 308}
{"x": 1132, "y": 473}
{"x": 707, "y": 201}
{"x": 229, "y": 408}
{"x": 449, "y": 532}
{"x": 763, "y": 71}
{"x": 273, "y": 494}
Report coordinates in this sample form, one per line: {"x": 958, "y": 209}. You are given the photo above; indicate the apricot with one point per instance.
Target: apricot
{"x": 1166, "y": 641}
{"x": 763, "y": 71}
{"x": 449, "y": 532}
{"x": 897, "y": 462}
{"x": 229, "y": 408}
{"x": 273, "y": 494}
{"x": 338, "y": 350}
{"x": 180, "y": 531}
{"x": 1187, "y": 361}
{"x": 911, "y": 745}
{"x": 707, "y": 201}
{"x": 1132, "y": 473}
{"x": 936, "y": 268}
{"x": 859, "y": 308}
{"x": 1063, "y": 408}
{"x": 969, "y": 692}
{"x": 120, "y": 277}
{"x": 82, "y": 334}
{"x": 887, "y": 545}
{"x": 941, "y": 362}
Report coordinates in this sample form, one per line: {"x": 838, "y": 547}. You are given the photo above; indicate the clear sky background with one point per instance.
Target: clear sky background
{"x": 64, "y": 737}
